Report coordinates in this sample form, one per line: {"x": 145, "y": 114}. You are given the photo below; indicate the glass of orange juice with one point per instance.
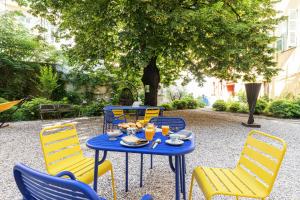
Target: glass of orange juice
{"x": 165, "y": 130}
{"x": 149, "y": 133}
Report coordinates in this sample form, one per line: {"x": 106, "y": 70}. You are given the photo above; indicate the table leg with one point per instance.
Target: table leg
{"x": 177, "y": 179}
{"x": 141, "y": 172}
{"x": 126, "y": 173}
{"x": 180, "y": 173}
{"x": 171, "y": 164}
{"x": 96, "y": 170}
{"x": 183, "y": 177}
{"x": 151, "y": 161}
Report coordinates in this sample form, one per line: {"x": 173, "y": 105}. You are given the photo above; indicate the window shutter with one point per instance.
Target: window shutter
{"x": 292, "y": 27}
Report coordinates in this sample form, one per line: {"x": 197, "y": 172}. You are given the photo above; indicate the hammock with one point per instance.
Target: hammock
{"x": 8, "y": 105}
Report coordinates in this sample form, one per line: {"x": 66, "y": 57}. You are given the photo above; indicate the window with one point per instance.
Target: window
{"x": 292, "y": 27}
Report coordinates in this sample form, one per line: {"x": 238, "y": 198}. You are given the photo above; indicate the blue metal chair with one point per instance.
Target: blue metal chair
{"x": 175, "y": 123}
{"x": 111, "y": 120}
{"x": 35, "y": 185}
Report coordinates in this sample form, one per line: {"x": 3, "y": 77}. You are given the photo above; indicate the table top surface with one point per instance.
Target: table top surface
{"x": 102, "y": 142}
{"x": 132, "y": 107}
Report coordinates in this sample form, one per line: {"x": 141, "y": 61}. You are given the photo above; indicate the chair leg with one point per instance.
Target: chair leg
{"x": 191, "y": 187}
{"x": 113, "y": 184}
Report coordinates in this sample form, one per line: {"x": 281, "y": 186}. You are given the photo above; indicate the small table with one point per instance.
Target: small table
{"x": 103, "y": 143}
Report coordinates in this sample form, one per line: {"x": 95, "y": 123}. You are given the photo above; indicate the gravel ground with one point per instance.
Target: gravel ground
{"x": 219, "y": 141}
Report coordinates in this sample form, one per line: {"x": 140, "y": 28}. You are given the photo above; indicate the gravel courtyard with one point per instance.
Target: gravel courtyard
{"x": 219, "y": 141}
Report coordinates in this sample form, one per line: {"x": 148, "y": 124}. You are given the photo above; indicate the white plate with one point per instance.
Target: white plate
{"x": 176, "y": 143}
{"x": 133, "y": 145}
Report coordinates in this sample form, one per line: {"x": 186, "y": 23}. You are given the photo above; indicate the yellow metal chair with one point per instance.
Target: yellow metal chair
{"x": 150, "y": 113}
{"x": 62, "y": 152}
{"x": 119, "y": 113}
{"x": 254, "y": 174}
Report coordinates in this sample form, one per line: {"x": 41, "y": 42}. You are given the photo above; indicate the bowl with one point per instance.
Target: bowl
{"x": 114, "y": 133}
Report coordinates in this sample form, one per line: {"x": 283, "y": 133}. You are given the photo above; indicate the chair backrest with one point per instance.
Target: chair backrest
{"x": 60, "y": 146}
{"x": 262, "y": 157}
{"x": 150, "y": 113}
{"x": 37, "y": 186}
{"x": 175, "y": 123}
{"x": 118, "y": 113}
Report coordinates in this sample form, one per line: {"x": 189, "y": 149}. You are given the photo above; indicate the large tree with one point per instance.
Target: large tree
{"x": 157, "y": 39}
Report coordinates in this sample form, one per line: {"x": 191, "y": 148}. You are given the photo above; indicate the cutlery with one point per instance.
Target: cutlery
{"x": 157, "y": 141}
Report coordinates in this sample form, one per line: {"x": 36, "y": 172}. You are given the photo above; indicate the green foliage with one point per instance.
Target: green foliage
{"x": 191, "y": 103}
{"x": 260, "y": 106}
{"x": 74, "y": 97}
{"x": 201, "y": 104}
{"x": 47, "y": 81}
{"x": 30, "y": 109}
{"x": 220, "y": 105}
{"x": 167, "y": 106}
{"x": 93, "y": 109}
{"x": 284, "y": 108}
{"x": 179, "y": 104}
{"x": 244, "y": 108}
{"x": 2, "y": 100}
{"x": 20, "y": 53}
{"x": 225, "y": 39}
{"x": 234, "y": 107}
{"x": 242, "y": 96}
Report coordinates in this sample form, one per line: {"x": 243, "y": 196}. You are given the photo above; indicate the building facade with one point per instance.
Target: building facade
{"x": 287, "y": 82}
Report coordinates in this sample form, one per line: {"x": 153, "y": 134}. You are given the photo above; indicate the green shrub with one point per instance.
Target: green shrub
{"x": 260, "y": 107}
{"x": 179, "y": 104}
{"x": 219, "y": 105}
{"x": 244, "y": 108}
{"x": 284, "y": 108}
{"x": 30, "y": 109}
{"x": 191, "y": 103}
{"x": 201, "y": 104}
{"x": 2, "y": 100}
{"x": 47, "y": 81}
{"x": 242, "y": 97}
{"x": 234, "y": 107}
{"x": 74, "y": 98}
{"x": 167, "y": 106}
{"x": 93, "y": 109}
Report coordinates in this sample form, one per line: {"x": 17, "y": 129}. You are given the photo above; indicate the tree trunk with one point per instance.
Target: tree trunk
{"x": 151, "y": 77}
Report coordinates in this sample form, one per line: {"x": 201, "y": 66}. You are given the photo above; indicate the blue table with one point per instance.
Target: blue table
{"x": 103, "y": 143}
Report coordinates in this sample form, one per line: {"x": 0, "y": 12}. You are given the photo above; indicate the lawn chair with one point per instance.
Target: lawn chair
{"x": 175, "y": 123}
{"x": 254, "y": 174}
{"x": 62, "y": 152}
{"x": 36, "y": 185}
{"x": 8, "y": 105}
{"x": 150, "y": 113}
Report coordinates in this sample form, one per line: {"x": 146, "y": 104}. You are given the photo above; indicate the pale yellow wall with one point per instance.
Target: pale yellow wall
{"x": 288, "y": 79}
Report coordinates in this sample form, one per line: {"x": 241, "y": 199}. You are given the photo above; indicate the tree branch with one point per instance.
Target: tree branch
{"x": 233, "y": 10}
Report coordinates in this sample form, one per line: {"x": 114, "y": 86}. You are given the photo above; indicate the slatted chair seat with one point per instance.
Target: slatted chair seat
{"x": 232, "y": 182}
{"x": 62, "y": 152}
{"x": 254, "y": 175}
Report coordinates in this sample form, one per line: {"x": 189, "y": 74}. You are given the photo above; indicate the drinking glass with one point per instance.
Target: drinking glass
{"x": 165, "y": 130}
{"x": 149, "y": 134}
